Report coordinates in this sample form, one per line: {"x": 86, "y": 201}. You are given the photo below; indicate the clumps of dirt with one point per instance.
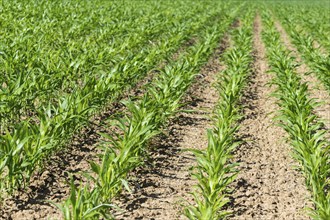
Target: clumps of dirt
{"x": 161, "y": 188}
{"x": 267, "y": 186}
{"x": 316, "y": 88}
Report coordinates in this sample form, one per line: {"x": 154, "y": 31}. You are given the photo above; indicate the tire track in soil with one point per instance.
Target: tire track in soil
{"x": 315, "y": 86}
{"x": 267, "y": 186}
{"x": 163, "y": 186}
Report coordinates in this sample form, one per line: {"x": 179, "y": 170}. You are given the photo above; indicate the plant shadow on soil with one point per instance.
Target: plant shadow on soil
{"x": 51, "y": 184}
{"x": 167, "y": 156}
{"x": 163, "y": 157}
{"x": 249, "y": 111}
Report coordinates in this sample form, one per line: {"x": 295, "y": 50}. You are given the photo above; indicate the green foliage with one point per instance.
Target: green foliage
{"x": 62, "y": 62}
{"x": 303, "y": 31}
{"x": 69, "y": 61}
{"x": 296, "y": 116}
{"x": 147, "y": 115}
{"x": 82, "y": 204}
{"x": 214, "y": 172}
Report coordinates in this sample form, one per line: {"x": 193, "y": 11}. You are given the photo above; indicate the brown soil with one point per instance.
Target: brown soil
{"x": 267, "y": 186}
{"x": 163, "y": 186}
{"x": 316, "y": 88}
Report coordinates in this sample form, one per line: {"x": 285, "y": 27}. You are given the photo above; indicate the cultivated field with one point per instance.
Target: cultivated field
{"x": 164, "y": 110}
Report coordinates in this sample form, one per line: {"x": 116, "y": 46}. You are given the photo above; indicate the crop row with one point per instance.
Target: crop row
{"x": 296, "y": 116}
{"x": 145, "y": 118}
{"x": 214, "y": 171}
{"x": 312, "y": 22}
{"x": 37, "y": 73}
{"x": 318, "y": 62}
{"x": 25, "y": 145}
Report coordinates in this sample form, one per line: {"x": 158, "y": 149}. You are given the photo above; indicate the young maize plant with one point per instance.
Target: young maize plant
{"x": 127, "y": 149}
{"x": 310, "y": 147}
{"x": 77, "y": 64}
{"x": 87, "y": 86}
{"x": 26, "y": 145}
{"x": 214, "y": 172}
{"x": 35, "y": 57}
{"x": 312, "y": 22}
{"x": 318, "y": 62}
{"x": 82, "y": 200}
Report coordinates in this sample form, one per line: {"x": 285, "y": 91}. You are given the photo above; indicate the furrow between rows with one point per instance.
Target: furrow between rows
{"x": 267, "y": 186}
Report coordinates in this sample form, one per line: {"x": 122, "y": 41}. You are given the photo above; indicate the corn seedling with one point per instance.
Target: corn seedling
{"x": 297, "y": 118}
{"x": 214, "y": 172}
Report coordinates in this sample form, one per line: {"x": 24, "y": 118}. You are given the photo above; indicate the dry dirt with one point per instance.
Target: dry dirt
{"x": 162, "y": 188}
{"x": 267, "y": 186}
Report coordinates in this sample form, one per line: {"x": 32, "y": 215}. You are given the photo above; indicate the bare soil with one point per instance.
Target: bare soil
{"x": 162, "y": 187}
{"x": 267, "y": 186}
